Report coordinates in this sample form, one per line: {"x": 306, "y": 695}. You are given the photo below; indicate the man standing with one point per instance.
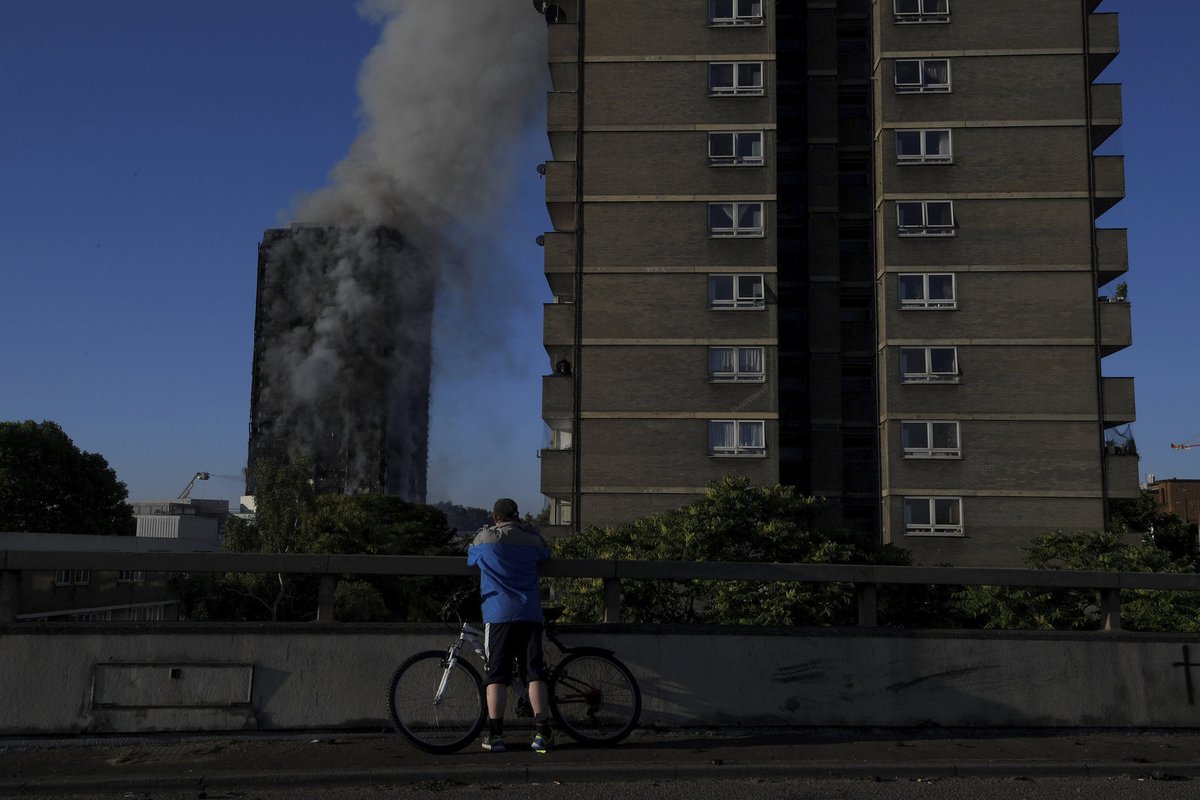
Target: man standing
{"x": 507, "y": 553}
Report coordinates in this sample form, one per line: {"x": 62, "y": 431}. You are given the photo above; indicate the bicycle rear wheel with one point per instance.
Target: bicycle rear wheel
{"x": 436, "y": 708}
{"x": 594, "y": 698}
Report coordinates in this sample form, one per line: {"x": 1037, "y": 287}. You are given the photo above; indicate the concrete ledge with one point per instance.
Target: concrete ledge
{"x": 322, "y": 677}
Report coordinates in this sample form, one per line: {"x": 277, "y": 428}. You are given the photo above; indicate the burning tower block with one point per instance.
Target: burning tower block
{"x": 342, "y": 351}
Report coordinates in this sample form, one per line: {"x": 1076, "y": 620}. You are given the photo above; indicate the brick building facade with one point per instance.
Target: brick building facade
{"x": 847, "y": 246}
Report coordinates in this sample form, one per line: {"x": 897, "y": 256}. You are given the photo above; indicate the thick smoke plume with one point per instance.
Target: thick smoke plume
{"x": 444, "y": 95}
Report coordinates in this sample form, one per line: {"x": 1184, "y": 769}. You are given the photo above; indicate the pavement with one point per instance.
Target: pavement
{"x": 127, "y": 764}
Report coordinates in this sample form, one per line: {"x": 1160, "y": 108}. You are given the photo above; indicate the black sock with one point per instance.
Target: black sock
{"x": 496, "y": 726}
{"x": 542, "y": 725}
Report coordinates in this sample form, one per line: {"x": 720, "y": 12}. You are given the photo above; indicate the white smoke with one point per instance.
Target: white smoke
{"x": 444, "y": 95}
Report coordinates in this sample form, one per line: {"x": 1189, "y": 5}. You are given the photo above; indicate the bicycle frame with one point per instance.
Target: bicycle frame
{"x": 472, "y": 636}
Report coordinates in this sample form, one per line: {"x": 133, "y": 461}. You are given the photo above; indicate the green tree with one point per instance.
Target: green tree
{"x": 48, "y": 485}
{"x": 733, "y": 521}
{"x": 1080, "y": 609}
{"x": 292, "y": 518}
{"x": 465, "y": 519}
{"x": 1166, "y": 531}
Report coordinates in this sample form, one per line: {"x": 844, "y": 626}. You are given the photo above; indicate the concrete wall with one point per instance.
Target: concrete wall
{"x": 72, "y": 679}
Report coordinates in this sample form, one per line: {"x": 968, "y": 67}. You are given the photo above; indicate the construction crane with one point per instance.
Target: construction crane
{"x": 1189, "y": 444}
{"x": 203, "y": 476}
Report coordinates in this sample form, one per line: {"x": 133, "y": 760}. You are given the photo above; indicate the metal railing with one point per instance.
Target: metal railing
{"x": 866, "y": 578}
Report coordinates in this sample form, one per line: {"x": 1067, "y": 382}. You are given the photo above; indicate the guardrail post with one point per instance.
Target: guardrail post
{"x": 612, "y": 599}
{"x": 1110, "y": 601}
{"x": 868, "y": 604}
{"x": 10, "y": 582}
{"x": 326, "y": 590}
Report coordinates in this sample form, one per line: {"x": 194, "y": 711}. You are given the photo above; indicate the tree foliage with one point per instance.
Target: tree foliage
{"x": 291, "y": 518}
{"x": 1142, "y": 539}
{"x": 733, "y": 521}
{"x": 48, "y": 485}
{"x": 464, "y": 519}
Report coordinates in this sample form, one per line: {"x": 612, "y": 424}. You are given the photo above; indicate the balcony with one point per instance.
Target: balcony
{"x": 557, "y": 470}
{"x": 1110, "y": 182}
{"x": 558, "y": 397}
{"x": 1119, "y": 406}
{"x": 1116, "y": 328}
{"x": 1106, "y": 111}
{"x": 563, "y": 45}
{"x": 1112, "y": 253}
{"x": 1122, "y": 469}
{"x": 562, "y": 124}
{"x": 558, "y": 325}
{"x": 560, "y": 194}
{"x": 1104, "y": 42}
{"x": 559, "y": 254}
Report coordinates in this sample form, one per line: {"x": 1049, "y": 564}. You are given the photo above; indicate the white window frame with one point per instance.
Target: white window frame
{"x": 753, "y": 301}
{"x": 925, "y": 302}
{"x": 736, "y": 89}
{"x": 738, "y": 450}
{"x": 146, "y": 614}
{"x": 740, "y": 15}
{"x": 925, "y": 229}
{"x": 929, "y": 376}
{"x": 930, "y": 451}
{"x": 131, "y": 576}
{"x": 736, "y": 231}
{"x": 925, "y": 157}
{"x": 923, "y": 86}
{"x": 559, "y": 511}
{"x": 933, "y": 527}
{"x": 922, "y": 15}
{"x": 738, "y": 375}
{"x": 72, "y": 577}
{"x": 736, "y": 160}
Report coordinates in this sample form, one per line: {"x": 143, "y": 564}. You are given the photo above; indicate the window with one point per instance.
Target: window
{"x": 735, "y": 364}
{"x": 736, "y": 291}
{"x": 929, "y": 365}
{"x": 131, "y": 576}
{"x": 930, "y": 440}
{"x": 735, "y": 219}
{"x": 922, "y": 10}
{"x": 146, "y": 614}
{"x": 933, "y": 516}
{"x": 735, "y": 77}
{"x": 735, "y": 149}
{"x": 559, "y": 512}
{"x": 735, "y": 12}
{"x": 923, "y": 147}
{"x": 72, "y": 577}
{"x": 927, "y": 290}
{"x": 922, "y": 75}
{"x": 925, "y": 218}
{"x": 737, "y": 437}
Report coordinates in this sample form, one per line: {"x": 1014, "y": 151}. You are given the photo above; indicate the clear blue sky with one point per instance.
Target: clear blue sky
{"x": 145, "y": 146}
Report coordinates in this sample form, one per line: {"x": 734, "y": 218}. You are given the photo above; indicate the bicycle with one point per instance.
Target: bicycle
{"x": 437, "y": 700}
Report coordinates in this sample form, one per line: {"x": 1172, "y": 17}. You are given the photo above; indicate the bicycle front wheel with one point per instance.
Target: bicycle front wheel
{"x": 594, "y": 698}
{"x": 436, "y": 707}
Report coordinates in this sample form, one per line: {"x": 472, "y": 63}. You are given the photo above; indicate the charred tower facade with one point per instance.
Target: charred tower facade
{"x": 342, "y": 356}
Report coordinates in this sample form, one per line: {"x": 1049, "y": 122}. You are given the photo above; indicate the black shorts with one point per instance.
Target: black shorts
{"x": 505, "y": 641}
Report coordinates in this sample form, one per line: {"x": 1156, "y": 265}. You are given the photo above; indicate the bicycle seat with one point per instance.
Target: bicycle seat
{"x": 552, "y": 613}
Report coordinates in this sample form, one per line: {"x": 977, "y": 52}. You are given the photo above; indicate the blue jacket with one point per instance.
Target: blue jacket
{"x": 508, "y": 555}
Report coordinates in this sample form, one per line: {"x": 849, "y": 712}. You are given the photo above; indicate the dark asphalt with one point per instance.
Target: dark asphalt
{"x": 126, "y": 764}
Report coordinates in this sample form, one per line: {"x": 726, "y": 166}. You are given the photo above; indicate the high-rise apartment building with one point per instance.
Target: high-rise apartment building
{"x": 847, "y": 246}
{"x": 342, "y": 357}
